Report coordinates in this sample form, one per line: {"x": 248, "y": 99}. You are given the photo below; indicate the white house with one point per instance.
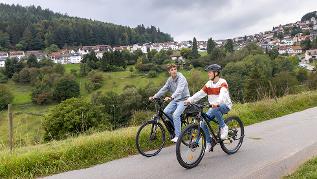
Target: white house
{"x": 310, "y": 54}
{"x": 157, "y": 47}
{"x": 2, "y": 62}
{"x": 135, "y": 47}
{"x": 60, "y": 58}
{"x": 100, "y": 54}
{"x": 288, "y": 41}
{"x": 4, "y": 55}
{"x": 293, "y": 50}
{"x": 17, "y": 54}
{"x": 86, "y": 49}
{"x": 282, "y": 50}
{"x": 144, "y": 48}
{"x": 75, "y": 58}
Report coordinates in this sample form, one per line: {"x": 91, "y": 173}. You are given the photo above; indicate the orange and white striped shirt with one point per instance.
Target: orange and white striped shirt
{"x": 218, "y": 93}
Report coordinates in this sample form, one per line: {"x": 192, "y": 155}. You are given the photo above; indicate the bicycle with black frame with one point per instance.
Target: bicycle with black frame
{"x": 191, "y": 154}
{"x": 150, "y": 138}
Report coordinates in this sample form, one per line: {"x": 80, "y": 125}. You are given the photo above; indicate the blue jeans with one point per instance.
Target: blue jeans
{"x": 174, "y": 110}
{"x": 212, "y": 113}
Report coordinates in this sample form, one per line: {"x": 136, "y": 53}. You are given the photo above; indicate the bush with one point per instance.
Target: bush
{"x": 65, "y": 89}
{"x": 140, "y": 116}
{"x": 3, "y": 78}
{"x": 71, "y": 117}
{"x": 312, "y": 81}
{"x": 59, "y": 68}
{"x": 152, "y": 74}
{"x": 42, "y": 94}
{"x": 5, "y": 97}
{"x": 95, "y": 81}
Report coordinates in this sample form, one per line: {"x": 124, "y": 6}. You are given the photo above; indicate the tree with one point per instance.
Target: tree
{"x": 4, "y": 40}
{"x": 273, "y": 53}
{"x": 302, "y": 75}
{"x": 6, "y": 97}
{"x": 210, "y": 45}
{"x": 52, "y": 48}
{"x": 12, "y": 66}
{"x": 42, "y": 94}
{"x": 59, "y": 68}
{"x": 194, "y": 53}
{"x": 185, "y": 52}
{"x": 306, "y": 44}
{"x": 84, "y": 69}
{"x": 283, "y": 83}
{"x": 32, "y": 61}
{"x": 229, "y": 45}
{"x": 65, "y": 89}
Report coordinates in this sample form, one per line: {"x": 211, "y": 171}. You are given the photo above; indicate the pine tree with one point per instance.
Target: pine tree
{"x": 194, "y": 49}
{"x": 210, "y": 45}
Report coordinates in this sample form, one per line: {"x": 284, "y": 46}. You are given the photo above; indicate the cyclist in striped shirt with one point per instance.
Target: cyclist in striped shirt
{"x": 218, "y": 97}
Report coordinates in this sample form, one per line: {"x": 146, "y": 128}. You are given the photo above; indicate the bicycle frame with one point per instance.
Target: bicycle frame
{"x": 160, "y": 115}
{"x": 203, "y": 118}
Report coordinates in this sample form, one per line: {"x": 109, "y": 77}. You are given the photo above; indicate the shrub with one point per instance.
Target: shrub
{"x": 3, "y": 78}
{"x": 140, "y": 116}
{"x": 71, "y": 117}
{"x": 152, "y": 74}
{"x": 66, "y": 88}
{"x": 59, "y": 68}
{"x": 95, "y": 81}
{"x": 42, "y": 94}
{"x": 5, "y": 97}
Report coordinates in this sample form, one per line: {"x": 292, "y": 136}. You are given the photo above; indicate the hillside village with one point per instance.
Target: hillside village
{"x": 287, "y": 39}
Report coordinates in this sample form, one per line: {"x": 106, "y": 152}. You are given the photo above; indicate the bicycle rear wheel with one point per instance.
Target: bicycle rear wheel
{"x": 235, "y": 135}
{"x": 150, "y": 138}
{"x": 190, "y": 155}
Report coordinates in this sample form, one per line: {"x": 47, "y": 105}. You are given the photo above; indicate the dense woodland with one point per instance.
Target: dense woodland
{"x": 34, "y": 28}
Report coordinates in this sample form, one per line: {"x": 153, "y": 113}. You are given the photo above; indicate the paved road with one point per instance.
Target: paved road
{"x": 271, "y": 149}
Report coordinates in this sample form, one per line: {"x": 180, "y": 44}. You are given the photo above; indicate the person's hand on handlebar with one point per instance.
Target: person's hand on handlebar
{"x": 167, "y": 98}
{"x": 214, "y": 105}
{"x": 151, "y": 98}
{"x": 187, "y": 102}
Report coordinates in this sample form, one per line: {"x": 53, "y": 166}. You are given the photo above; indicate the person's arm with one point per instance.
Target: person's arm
{"x": 163, "y": 90}
{"x": 180, "y": 88}
{"x": 223, "y": 93}
{"x": 198, "y": 95}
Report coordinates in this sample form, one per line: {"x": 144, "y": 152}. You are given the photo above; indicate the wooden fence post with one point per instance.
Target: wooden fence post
{"x": 10, "y": 121}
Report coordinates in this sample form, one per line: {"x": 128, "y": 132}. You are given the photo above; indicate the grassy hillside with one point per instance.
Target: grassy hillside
{"x": 28, "y": 116}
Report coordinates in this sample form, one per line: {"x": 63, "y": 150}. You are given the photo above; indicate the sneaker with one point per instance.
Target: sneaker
{"x": 224, "y": 132}
{"x": 174, "y": 139}
{"x": 208, "y": 147}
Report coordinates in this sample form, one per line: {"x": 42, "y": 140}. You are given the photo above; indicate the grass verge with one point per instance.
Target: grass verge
{"x": 307, "y": 170}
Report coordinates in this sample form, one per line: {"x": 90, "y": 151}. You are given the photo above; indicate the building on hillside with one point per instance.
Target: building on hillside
{"x": 74, "y": 58}
{"x": 38, "y": 54}
{"x": 310, "y": 55}
{"x": 16, "y": 54}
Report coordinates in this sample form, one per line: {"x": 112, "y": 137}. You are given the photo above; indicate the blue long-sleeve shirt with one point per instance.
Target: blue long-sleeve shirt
{"x": 177, "y": 86}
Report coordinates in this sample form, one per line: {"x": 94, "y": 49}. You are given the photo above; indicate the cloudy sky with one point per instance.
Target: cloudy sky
{"x": 184, "y": 19}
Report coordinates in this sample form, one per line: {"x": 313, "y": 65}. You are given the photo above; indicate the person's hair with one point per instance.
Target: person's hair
{"x": 172, "y": 65}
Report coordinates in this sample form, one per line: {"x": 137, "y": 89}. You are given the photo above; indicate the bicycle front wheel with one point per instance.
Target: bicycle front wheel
{"x": 190, "y": 153}
{"x": 150, "y": 138}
